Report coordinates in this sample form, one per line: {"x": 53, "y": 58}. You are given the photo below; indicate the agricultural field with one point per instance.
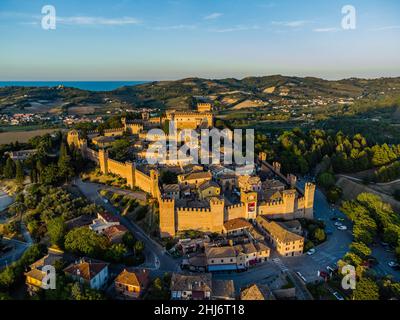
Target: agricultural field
{"x": 23, "y": 136}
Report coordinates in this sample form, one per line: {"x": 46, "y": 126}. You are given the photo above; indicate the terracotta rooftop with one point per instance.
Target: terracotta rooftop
{"x": 236, "y": 224}
{"x": 198, "y": 175}
{"x": 293, "y": 224}
{"x": 220, "y": 252}
{"x": 273, "y": 184}
{"x": 136, "y": 278}
{"x": 277, "y": 231}
{"x": 49, "y": 259}
{"x": 256, "y": 292}
{"x": 209, "y": 184}
{"x": 108, "y": 217}
{"x": 171, "y": 188}
{"x": 113, "y": 231}
{"x": 189, "y": 282}
{"x": 223, "y": 289}
{"x": 36, "y": 274}
{"x": 86, "y": 268}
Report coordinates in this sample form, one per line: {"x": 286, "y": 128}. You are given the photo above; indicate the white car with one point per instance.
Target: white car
{"x": 338, "y": 224}
{"x": 338, "y": 296}
{"x": 342, "y": 228}
{"x": 393, "y": 264}
{"x": 311, "y": 252}
{"x": 301, "y": 276}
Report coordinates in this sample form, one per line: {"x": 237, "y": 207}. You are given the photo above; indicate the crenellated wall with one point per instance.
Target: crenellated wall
{"x": 126, "y": 170}
{"x": 236, "y": 211}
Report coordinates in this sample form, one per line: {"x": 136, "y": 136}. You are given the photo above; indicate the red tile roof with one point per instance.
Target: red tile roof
{"x": 86, "y": 269}
{"x": 114, "y": 231}
{"x": 108, "y": 217}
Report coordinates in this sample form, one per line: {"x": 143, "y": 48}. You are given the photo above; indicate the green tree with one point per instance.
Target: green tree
{"x": 366, "y": 289}
{"x": 9, "y": 169}
{"x": 138, "y": 247}
{"x": 66, "y": 169}
{"x": 360, "y": 249}
{"x": 85, "y": 241}
{"x": 81, "y": 292}
{"x": 129, "y": 240}
{"x": 326, "y": 180}
{"x": 116, "y": 252}
{"x": 319, "y": 235}
{"x": 56, "y": 229}
{"x": 7, "y": 278}
{"x": 49, "y": 175}
{"x": 19, "y": 172}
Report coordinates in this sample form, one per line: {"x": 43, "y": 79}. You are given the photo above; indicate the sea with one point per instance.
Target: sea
{"x": 84, "y": 85}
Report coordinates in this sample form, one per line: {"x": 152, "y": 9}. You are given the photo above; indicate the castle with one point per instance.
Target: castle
{"x": 177, "y": 215}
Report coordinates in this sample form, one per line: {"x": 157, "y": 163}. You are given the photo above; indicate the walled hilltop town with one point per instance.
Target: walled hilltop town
{"x": 228, "y": 200}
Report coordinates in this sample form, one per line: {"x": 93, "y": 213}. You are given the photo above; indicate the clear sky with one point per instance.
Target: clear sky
{"x": 171, "y": 39}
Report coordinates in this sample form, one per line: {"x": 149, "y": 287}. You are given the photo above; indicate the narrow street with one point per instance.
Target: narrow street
{"x": 156, "y": 257}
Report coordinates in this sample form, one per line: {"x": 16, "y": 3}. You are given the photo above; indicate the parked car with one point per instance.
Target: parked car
{"x": 342, "y": 228}
{"x": 301, "y": 276}
{"x": 323, "y": 274}
{"x": 332, "y": 268}
{"x": 394, "y": 265}
{"x": 311, "y": 252}
{"x": 338, "y": 224}
{"x": 338, "y": 296}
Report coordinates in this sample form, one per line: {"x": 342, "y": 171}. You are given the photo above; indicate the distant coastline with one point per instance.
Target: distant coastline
{"x": 83, "y": 85}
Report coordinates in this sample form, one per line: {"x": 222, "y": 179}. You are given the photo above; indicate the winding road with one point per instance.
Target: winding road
{"x": 156, "y": 257}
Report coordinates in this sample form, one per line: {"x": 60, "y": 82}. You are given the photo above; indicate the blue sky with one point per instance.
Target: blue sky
{"x": 171, "y": 39}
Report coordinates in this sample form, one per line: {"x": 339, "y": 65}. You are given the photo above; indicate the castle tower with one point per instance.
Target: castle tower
{"x": 123, "y": 120}
{"x": 250, "y": 201}
{"x": 262, "y": 156}
{"x": 277, "y": 166}
{"x": 292, "y": 180}
{"x": 204, "y": 107}
{"x": 103, "y": 161}
{"x": 218, "y": 214}
{"x": 154, "y": 176}
{"x": 167, "y": 218}
{"x": 309, "y": 194}
{"x": 289, "y": 198}
{"x": 73, "y": 138}
{"x": 130, "y": 174}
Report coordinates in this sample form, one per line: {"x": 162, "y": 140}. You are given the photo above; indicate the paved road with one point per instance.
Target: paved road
{"x": 156, "y": 256}
{"x": 139, "y": 195}
{"x": 16, "y": 253}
